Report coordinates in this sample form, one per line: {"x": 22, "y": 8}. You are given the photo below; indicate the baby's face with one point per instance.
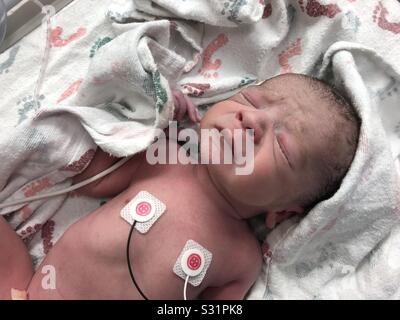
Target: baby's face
{"x": 288, "y": 141}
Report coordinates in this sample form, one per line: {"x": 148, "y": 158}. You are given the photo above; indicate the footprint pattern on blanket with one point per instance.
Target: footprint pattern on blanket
{"x": 7, "y": 64}
{"x": 37, "y": 187}
{"x": 47, "y": 236}
{"x": 72, "y": 89}
{"x": 209, "y": 67}
{"x": 245, "y": 81}
{"x": 29, "y": 232}
{"x": 232, "y": 9}
{"x": 57, "y": 41}
{"x": 352, "y": 22}
{"x": 153, "y": 87}
{"x": 78, "y": 165}
{"x": 98, "y": 44}
{"x": 391, "y": 89}
{"x": 195, "y": 89}
{"x": 27, "y": 105}
{"x": 267, "y": 11}
{"x": 380, "y": 18}
{"x": 292, "y": 51}
{"x": 315, "y": 9}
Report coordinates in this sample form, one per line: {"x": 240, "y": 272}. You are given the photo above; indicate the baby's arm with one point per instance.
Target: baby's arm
{"x": 16, "y": 268}
{"x": 113, "y": 183}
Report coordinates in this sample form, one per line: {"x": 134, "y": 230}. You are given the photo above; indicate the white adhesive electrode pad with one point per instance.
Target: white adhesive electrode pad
{"x": 193, "y": 261}
{"x": 145, "y": 209}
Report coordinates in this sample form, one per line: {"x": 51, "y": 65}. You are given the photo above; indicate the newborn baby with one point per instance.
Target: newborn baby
{"x": 305, "y": 137}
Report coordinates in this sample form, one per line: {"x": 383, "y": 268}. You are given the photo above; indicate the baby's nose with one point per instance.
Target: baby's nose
{"x": 254, "y": 120}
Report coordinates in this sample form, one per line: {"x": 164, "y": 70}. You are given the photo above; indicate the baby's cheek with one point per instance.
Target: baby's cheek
{"x": 266, "y": 176}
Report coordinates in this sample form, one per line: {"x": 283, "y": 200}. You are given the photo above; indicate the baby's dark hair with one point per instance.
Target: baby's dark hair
{"x": 342, "y": 142}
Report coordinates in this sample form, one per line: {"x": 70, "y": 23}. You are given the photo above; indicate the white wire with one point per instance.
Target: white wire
{"x": 48, "y": 11}
{"x": 272, "y": 256}
{"x": 185, "y": 288}
{"x": 114, "y": 167}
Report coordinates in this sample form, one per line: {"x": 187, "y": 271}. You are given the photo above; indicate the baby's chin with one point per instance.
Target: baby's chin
{"x": 236, "y": 190}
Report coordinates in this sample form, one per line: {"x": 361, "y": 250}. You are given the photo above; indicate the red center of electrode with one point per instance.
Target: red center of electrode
{"x": 143, "y": 208}
{"x": 194, "y": 261}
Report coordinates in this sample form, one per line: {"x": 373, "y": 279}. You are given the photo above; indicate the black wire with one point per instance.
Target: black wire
{"x": 129, "y": 262}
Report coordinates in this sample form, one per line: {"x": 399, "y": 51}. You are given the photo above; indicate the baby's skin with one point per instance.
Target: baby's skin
{"x": 90, "y": 259}
{"x": 205, "y": 203}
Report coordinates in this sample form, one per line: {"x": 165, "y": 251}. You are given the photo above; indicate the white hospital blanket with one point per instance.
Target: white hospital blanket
{"x": 347, "y": 247}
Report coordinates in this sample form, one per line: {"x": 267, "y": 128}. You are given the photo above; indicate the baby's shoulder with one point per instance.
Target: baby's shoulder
{"x": 237, "y": 268}
{"x": 243, "y": 251}
{"x": 247, "y": 251}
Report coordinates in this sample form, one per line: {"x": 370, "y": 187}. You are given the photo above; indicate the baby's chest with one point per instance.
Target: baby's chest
{"x": 180, "y": 227}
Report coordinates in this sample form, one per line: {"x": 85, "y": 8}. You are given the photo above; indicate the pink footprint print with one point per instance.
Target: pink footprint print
{"x": 380, "y": 17}
{"x": 73, "y": 88}
{"x": 196, "y": 89}
{"x": 47, "y": 236}
{"x": 292, "y": 51}
{"x": 27, "y": 234}
{"x": 315, "y": 9}
{"x": 79, "y": 165}
{"x": 267, "y": 11}
{"x": 56, "y": 33}
{"x": 208, "y": 67}
{"x": 36, "y": 187}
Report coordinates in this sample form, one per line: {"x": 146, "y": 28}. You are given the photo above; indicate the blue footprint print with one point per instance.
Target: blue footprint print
{"x": 5, "y": 66}
{"x": 98, "y": 44}
{"x": 352, "y": 21}
{"x": 392, "y": 88}
{"x": 26, "y": 105}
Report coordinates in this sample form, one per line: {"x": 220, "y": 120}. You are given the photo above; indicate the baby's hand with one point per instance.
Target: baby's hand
{"x": 184, "y": 105}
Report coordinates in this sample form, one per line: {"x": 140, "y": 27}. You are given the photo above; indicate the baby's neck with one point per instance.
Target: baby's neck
{"x": 216, "y": 194}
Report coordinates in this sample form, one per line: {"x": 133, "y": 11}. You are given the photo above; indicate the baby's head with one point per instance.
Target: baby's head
{"x": 305, "y": 136}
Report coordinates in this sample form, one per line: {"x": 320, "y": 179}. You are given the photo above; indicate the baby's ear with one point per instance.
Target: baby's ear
{"x": 273, "y": 218}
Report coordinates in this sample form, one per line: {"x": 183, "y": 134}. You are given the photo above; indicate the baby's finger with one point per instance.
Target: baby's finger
{"x": 176, "y": 105}
{"x": 198, "y": 114}
{"x": 192, "y": 110}
{"x": 180, "y": 107}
